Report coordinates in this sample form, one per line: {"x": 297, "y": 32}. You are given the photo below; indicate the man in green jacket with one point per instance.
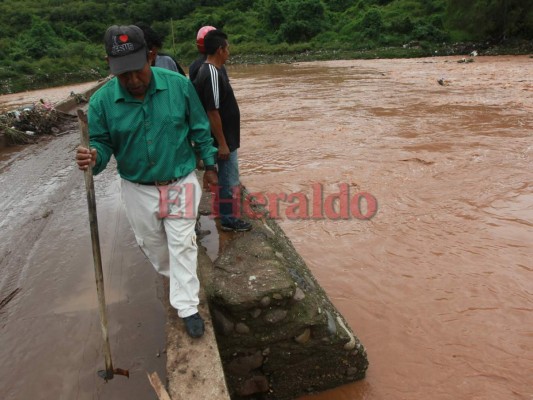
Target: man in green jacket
{"x": 148, "y": 118}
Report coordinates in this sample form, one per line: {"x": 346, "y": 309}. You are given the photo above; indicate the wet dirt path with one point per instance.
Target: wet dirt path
{"x": 51, "y": 341}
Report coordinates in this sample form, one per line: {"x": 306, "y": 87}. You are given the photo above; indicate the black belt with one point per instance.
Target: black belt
{"x": 161, "y": 183}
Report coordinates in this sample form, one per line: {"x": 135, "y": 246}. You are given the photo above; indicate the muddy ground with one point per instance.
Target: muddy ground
{"x": 51, "y": 342}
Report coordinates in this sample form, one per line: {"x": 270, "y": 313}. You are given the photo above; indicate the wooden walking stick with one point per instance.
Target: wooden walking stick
{"x": 109, "y": 371}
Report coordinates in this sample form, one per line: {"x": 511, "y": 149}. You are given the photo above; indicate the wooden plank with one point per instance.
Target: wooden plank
{"x": 158, "y": 386}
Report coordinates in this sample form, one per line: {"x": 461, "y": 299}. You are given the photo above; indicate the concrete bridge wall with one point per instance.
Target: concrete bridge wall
{"x": 278, "y": 333}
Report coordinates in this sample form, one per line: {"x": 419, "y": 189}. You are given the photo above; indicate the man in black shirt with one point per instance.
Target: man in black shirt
{"x": 196, "y": 64}
{"x": 216, "y": 94}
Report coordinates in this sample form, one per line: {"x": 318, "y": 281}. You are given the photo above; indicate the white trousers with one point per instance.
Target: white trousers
{"x": 163, "y": 219}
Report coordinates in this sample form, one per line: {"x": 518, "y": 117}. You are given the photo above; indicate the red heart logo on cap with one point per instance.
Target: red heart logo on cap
{"x": 123, "y": 38}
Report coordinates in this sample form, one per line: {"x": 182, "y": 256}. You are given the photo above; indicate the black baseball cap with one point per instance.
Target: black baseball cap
{"x": 125, "y": 48}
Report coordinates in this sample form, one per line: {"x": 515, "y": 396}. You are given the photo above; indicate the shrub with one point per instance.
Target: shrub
{"x": 304, "y": 20}
{"x": 372, "y": 24}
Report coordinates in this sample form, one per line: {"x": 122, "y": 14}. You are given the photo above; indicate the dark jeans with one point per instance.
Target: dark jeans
{"x": 228, "y": 180}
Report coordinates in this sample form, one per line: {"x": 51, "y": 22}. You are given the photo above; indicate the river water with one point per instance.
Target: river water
{"x": 438, "y": 284}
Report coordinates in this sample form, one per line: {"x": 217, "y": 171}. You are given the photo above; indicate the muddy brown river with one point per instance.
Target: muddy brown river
{"x": 438, "y": 284}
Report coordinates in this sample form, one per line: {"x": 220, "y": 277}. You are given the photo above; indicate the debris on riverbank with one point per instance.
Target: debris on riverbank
{"x": 26, "y": 124}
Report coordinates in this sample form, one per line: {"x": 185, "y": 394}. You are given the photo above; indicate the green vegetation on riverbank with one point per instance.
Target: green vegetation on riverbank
{"x": 53, "y": 42}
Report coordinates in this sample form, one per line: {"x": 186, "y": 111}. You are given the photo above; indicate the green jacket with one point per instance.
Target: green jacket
{"x": 151, "y": 139}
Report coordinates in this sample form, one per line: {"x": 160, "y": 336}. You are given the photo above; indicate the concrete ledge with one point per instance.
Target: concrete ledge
{"x": 278, "y": 334}
{"x": 71, "y": 103}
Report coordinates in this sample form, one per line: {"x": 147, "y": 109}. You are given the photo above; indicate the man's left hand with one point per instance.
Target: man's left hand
{"x": 210, "y": 180}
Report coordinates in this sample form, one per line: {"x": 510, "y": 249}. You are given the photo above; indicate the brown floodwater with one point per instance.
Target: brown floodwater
{"x": 437, "y": 284}
{"x": 12, "y": 101}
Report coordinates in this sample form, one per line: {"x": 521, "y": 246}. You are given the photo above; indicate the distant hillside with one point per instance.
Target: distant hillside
{"x": 51, "y": 42}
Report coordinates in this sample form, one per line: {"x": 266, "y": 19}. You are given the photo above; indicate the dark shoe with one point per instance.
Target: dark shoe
{"x": 200, "y": 233}
{"x": 236, "y": 225}
{"x": 194, "y": 325}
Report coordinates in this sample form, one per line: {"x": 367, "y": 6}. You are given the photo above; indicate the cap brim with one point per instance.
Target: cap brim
{"x": 131, "y": 62}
